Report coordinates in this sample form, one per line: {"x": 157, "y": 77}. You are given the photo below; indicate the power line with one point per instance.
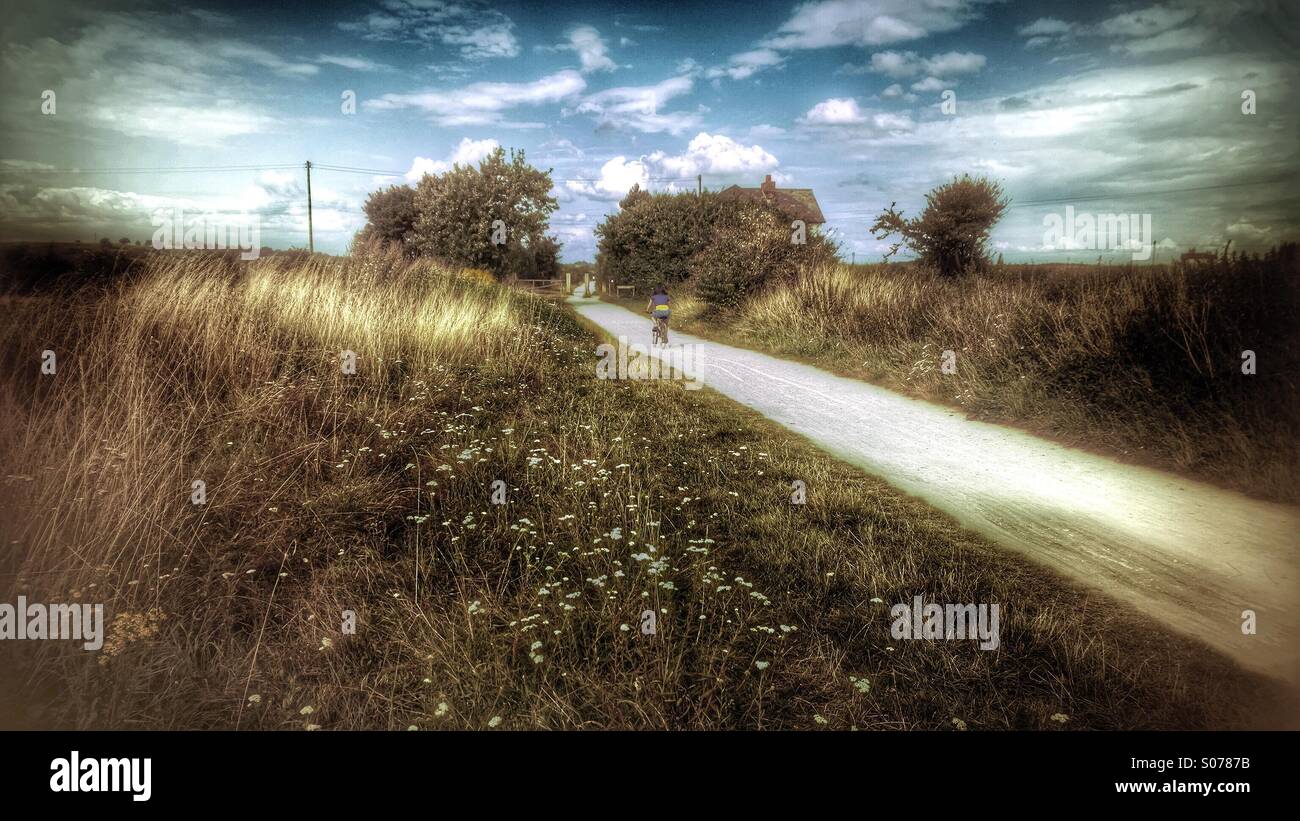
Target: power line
{"x": 192, "y": 169}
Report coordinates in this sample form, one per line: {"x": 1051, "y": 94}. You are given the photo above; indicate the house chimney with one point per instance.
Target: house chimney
{"x": 768, "y": 186}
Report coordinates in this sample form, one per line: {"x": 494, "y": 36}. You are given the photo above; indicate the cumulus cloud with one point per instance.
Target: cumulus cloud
{"x": 617, "y": 176}
{"x": 466, "y": 152}
{"x": 590, "y": 48}
{"x": 717, "y": 156}
{"x": 835, "y": 111}
{"x": 1244, "y": 231}
{"x": 901, "y": 64}
{"x": 838, "y": 112}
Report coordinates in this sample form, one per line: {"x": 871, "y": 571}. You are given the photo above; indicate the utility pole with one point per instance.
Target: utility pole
{"x": 311, "y": 241}
{"x": 699, "y": 185}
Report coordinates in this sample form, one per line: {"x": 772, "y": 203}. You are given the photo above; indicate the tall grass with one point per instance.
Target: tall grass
{"x": 1142, "y": 362}
{"x": 372, "y": 494}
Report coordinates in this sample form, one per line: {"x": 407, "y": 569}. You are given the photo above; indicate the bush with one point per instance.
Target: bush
{"x": 951, "y": 233}
{"x": 752, "y": 246}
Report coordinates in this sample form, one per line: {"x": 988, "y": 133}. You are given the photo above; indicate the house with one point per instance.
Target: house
{"x": 795, "y": 203}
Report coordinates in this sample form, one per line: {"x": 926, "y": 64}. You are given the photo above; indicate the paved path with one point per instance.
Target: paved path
{"x": 1191, "y": 555}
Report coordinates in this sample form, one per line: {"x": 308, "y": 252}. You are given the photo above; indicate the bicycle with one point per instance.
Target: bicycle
{"x": 659, "y": 333}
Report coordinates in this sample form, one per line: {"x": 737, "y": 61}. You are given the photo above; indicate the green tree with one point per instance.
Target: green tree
{"x": 390, "y": 216}
{"x": 952, "y": 232}
{"x": 483, "y": 217}
{"x": 653, "y": 237}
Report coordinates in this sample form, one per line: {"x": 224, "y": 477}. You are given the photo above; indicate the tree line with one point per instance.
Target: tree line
{"x": 495, "y": 217}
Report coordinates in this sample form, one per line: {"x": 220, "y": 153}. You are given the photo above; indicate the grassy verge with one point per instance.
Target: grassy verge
{"x": 1142, "y": 364}
{"x": 373, "y": 494}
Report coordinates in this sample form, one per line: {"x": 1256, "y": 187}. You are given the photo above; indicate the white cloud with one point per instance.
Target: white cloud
{"x": 117, "y": 65}
{"x": 745, "y": 64}
{"x": 1046, "y": 27}
{"x": 1146, "y": 22}
{"x": 835, "y": 111}
{"x": 479, "y": 31}
{"x": 714, "y": 155}
{"x": 902, "y": 64}
{"x": 638, "y": 107}
{"x": 720, "y": 158}
{"x": 258, "y": 56}
{"x": 1184, "y": 38}
{"x": 830, "y": 23}
{"x": 1244, "y": 231}
{"x": 617, "y": 176}
{"x": 840, "y": 112}
{"x": 590, "y": 48}
{"x": 483, "y": 103}
{"x": 466, "y": 152}
{"x": 350, "y": 63}
{"x": 1160, "y": 27}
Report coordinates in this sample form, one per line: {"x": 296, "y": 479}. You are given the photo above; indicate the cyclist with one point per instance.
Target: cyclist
{"x": 658, "y": 308}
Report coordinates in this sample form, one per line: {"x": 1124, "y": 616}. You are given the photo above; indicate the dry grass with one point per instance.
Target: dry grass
{"x": 372, "y": 493}
{"x": 1143, "y": 363}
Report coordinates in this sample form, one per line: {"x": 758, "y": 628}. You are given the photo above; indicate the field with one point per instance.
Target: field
{"x": 373, "y": 493}
{"x": 1140, "y": 363}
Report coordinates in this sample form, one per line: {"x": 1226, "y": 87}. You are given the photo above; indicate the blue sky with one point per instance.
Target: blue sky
{"x": 1101, "y": 106}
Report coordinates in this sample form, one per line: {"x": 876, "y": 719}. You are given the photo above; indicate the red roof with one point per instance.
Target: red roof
{"x": 795, "y": 203}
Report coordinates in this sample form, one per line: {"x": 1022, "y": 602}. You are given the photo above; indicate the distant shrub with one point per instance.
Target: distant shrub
{"x": 951, "y": 233}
